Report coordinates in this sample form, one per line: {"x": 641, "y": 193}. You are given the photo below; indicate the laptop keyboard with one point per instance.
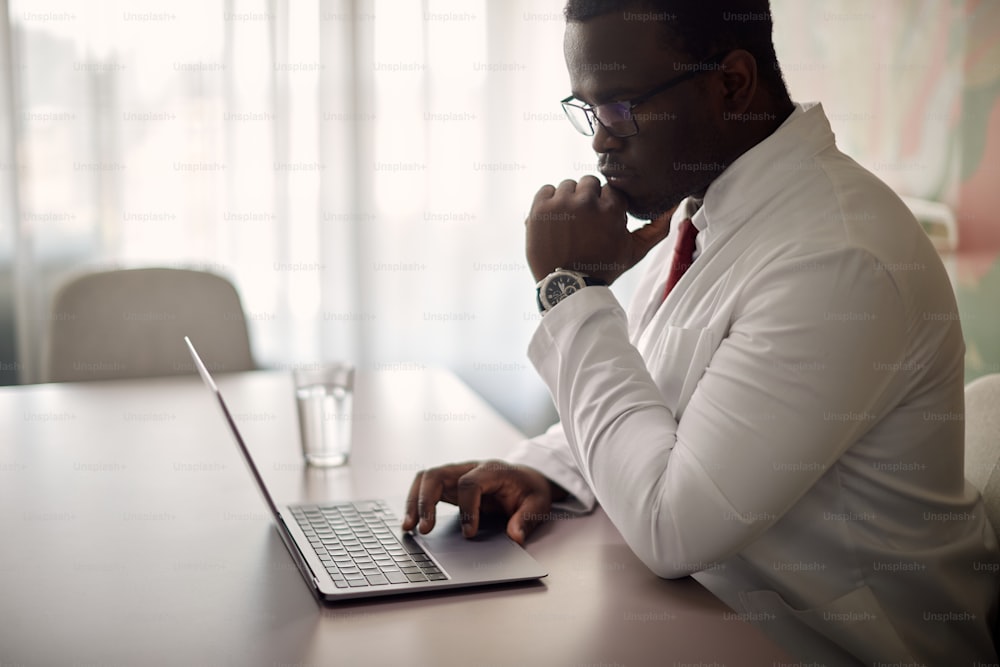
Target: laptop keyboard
{"x": 358, "y": 546}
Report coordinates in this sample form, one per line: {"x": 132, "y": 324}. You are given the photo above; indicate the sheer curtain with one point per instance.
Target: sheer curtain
{"x": 359, "y": 168}
{"x": 891, "y": 77}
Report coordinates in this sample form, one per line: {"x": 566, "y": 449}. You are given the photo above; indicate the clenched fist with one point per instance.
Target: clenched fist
{"x": 582, "y": 226}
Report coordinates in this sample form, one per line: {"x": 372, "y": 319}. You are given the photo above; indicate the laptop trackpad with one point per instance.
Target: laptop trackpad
{"x": 489, "y": 556}
{"x": 447, "y": 533}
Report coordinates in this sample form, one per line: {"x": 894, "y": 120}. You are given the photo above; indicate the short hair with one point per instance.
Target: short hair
{"x": 702, "y": 28}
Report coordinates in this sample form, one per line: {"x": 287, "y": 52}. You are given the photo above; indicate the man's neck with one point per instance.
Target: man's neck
{"x": 762, "y": 121}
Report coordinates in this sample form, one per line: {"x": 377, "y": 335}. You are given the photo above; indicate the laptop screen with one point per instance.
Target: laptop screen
{"x": 210, "y": 383}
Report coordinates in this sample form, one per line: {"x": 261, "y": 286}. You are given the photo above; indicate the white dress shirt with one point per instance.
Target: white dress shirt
{"x": 787, "y": 427}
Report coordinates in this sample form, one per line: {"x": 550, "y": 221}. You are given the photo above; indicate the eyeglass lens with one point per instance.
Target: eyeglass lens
{"x": 616, "y": 117}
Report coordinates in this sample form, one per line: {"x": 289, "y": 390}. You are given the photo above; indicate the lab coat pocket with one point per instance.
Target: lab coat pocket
{"x": 853, "y": 625}
{"x": 677, "y": 361}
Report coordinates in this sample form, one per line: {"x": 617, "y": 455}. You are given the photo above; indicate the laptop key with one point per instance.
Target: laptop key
{"x": 396, "y": 578}
{"x": 412, "y": 547}
{"x": 358, "y": 548}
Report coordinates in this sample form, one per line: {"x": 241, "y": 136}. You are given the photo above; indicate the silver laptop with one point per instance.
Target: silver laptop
{"x": 355, "y": 549}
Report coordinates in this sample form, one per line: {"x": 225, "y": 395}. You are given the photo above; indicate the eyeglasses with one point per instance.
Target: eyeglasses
{"x": 617, "y": 117}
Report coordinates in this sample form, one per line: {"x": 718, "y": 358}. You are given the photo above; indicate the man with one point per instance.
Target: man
{"x": 782, "y": 421}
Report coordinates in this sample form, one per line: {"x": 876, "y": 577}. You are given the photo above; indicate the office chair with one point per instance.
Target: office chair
{"x": 131, "y": 323}
{"x": 982, "y": 448}
{"x": 982, "y": 441}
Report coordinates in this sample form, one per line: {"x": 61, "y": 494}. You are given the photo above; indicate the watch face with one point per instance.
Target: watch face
{"x": 559, "y": 287}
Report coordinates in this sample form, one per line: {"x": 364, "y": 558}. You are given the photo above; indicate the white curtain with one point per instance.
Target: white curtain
{"x": 360, "y": 169}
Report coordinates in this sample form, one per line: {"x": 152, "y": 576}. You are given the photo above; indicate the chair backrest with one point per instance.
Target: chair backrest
{"x": 131, "y": 323}
{"x": 982, "y": 449}
{"x": 982, "y": 441}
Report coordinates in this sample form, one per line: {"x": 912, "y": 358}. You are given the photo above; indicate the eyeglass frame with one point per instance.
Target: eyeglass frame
{"x": 591, "y": 115}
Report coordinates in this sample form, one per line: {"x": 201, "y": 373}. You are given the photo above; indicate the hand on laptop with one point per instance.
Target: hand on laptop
{"x": 521, "y": 493}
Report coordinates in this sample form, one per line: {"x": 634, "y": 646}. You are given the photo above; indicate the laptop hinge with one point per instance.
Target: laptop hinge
{"x": 293, "y": 549}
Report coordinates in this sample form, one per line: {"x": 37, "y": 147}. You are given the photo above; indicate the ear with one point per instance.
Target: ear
{"x": 739, "y": 79}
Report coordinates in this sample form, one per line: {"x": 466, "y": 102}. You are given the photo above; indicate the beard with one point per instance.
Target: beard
{"x": 654, "y": 204}
{"x": 652, "y": 207}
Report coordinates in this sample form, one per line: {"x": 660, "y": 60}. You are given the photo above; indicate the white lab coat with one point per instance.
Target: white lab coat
{"x": 787, "y": 427}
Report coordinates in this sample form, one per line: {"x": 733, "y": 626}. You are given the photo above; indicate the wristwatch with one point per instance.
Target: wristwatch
{"x": 559, "y": 284}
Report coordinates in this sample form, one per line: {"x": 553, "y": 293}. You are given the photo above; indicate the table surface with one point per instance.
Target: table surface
{"x": 133, "y": 535}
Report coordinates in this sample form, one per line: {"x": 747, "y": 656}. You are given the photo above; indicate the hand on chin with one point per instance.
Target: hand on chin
{"x": 582, "y": 226}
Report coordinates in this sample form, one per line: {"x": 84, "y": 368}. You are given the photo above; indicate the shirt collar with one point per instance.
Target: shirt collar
{"x": 762, "y": 172}
{"x": 759, "y": 174}
{"x": 689, "y": 209}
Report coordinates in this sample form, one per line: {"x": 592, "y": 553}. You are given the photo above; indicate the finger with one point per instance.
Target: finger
{"x": 437, "y": 484}
{"x": 410, "y": 517}
{"x": 649, "y": 235}
{"x": 534, "y": 510}
{"x": 566, "y": 188}
{"x": 545, "y": 192}
{"x": 589, "y": 186}
{"x": 614, "y": 203}
{"x": 470, "y": 494}
{"x": 427, "y": 500}
{"x": 612, "y": 195}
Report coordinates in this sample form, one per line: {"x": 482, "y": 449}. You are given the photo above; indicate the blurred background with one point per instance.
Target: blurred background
{"x": 361, "y": 169}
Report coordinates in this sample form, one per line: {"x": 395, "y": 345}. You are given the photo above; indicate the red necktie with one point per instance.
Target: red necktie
{"x": 683, "y": 255}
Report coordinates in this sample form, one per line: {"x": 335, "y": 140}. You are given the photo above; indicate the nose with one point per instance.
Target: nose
{"x": 604, "y": 141}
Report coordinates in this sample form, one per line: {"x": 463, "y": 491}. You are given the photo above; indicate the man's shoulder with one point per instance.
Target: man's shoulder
{"x": 835, "y": 204}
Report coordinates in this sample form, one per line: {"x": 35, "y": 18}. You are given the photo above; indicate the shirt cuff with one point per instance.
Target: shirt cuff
{"x": 565, "y": 318}
{"x": 581, "y": 499}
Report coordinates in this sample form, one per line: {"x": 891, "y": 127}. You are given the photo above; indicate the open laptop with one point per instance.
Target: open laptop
{"x": 356, "y": 549}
